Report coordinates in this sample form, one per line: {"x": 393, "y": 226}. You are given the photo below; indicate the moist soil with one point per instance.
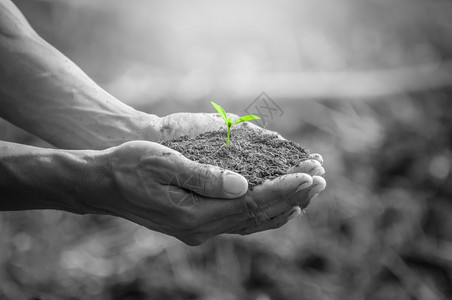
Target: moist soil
{"x": 254, "y": 155}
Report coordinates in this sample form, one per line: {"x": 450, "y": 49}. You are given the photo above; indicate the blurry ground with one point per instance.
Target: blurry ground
{"x": 368, "y": 84}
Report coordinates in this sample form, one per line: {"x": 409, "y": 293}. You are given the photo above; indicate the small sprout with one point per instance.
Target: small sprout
{"x": 228, "y": 121}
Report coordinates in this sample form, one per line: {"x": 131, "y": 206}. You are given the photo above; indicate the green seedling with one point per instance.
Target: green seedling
{"x": 228, "y": 121}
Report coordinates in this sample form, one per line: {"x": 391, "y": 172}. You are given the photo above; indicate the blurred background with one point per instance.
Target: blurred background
{"x": 368, "y": 84}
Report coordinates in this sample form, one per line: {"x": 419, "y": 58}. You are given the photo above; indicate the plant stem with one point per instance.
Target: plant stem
{"x": 229, "y": 130}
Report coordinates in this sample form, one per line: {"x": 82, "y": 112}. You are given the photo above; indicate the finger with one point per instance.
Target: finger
{"x": 244, "y": 215}
{"x": 272, "y": 191}
{"x": 301, "y": 198}
{"x": 253, "y": 223}
{"x": 317, "y": 157}
{"x": 192, "y": 213}
{"x": 211, "y": 181}
{"x": 311, "y": 166}
{"x": 273, "y": 223}
{"x": 260, "y": 130}
{"x": 206, "y": 180}
{"x": 218, "y": 226}
{"x": 318, "y": 185}
{"x": 255, "y": 206}
{"x": 205, "y": 209}
{"x": 259, "y": 203}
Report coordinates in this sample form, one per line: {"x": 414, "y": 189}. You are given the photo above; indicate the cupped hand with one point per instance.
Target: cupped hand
{"x": 162, "y": 190}
{"x": 279, "y": 200}
{"x": 193, "y": 124}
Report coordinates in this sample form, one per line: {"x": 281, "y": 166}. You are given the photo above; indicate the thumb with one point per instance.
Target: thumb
{"x": 211, "y": 181}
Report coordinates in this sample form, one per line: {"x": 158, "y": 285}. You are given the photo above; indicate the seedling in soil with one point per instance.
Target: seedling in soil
{"x": 228, "y": 121}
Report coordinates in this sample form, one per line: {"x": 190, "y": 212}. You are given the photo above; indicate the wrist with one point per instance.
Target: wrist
{"x": 93, "y": 182}
{"x": 147, "y": 126}
{"x": 77, "y": 181}
{"x": 38, "y": 178}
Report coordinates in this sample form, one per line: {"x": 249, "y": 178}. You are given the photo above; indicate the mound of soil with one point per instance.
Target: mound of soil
{"x": 255, "y": 156}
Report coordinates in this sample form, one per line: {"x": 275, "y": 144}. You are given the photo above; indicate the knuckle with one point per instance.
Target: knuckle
{"x": 204, "y": 179}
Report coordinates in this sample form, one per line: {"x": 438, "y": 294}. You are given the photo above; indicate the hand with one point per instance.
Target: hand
{"x": 162, "y": 190}
{"x": 193, "y": 124}
{"x": 288, "y": 198}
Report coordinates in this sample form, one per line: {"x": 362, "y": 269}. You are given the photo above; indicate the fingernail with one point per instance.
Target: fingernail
{"x": 296, "y": 213}
{"x": 234, "y": 184}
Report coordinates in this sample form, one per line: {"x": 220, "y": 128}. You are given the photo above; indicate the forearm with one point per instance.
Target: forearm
{"x": 38, "y": 178}
{"x": 48, "y": 95}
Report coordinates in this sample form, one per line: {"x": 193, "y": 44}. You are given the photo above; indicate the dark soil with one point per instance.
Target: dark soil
{"x": 254, "y": 155}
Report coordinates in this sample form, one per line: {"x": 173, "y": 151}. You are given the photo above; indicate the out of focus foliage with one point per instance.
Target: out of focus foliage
{"x": 381, "y": 230}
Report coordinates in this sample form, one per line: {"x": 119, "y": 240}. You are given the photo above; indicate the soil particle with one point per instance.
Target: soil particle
{"x": 254, "y": 155}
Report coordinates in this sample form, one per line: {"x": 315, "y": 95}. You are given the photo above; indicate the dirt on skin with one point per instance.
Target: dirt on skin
{"x": 254, "y": 155}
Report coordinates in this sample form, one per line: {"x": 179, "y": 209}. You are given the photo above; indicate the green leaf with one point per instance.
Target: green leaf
{"x": 247, "y": 118}
{"x": 221, "y": 111}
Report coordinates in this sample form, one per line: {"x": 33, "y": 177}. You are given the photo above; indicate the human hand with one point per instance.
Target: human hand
{"x": 286, "y": 205}
{"x": 162, "y": 190}
{"x": 193, "y": 124}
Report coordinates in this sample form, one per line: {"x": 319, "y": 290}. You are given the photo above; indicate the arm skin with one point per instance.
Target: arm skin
{"x": 135, "y": 181}
{"x": 38, "y": 178}
{"x": 46, "y": 94}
